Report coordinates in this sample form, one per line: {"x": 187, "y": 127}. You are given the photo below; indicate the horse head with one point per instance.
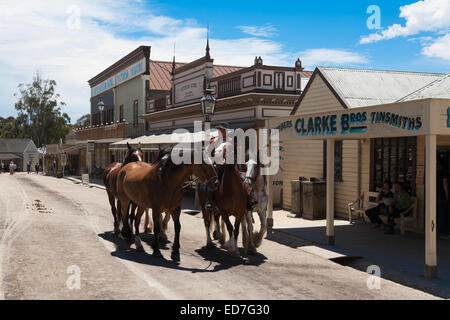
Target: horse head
{"x": 133, "y": 154}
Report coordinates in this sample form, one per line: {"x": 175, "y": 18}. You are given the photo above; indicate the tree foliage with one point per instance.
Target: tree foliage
{"x": 84, "y": 121}
{"x": 39, "y": 112}
{"x": 11, "y": 128}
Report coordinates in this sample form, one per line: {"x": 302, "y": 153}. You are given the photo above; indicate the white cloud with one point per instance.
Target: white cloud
{"x": 259, "y": 31}
{"x": 421, "y": 16}
{"x": 323, "y": 56}
{"x": 439, "y": 48}
{"x": 34, "y": 35}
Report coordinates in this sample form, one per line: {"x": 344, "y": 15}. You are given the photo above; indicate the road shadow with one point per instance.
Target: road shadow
{"x": 211, "y": 254}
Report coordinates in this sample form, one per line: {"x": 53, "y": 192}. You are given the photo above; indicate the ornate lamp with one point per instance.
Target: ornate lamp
{"x": 101, "y": 107}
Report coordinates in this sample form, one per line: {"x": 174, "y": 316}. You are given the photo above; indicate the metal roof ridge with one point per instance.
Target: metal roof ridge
{"x": 428, "y": 85}
{"x": 379, "y": 70}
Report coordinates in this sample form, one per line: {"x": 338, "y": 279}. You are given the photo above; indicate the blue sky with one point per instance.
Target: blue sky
{"x": 71, "y": 41}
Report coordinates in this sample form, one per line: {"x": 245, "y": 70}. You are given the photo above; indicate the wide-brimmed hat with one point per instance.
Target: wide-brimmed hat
{"x": 222, "y": 125}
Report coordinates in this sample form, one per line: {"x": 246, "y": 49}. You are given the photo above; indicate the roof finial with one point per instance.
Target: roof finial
{"x": 173, "y": 62}
{"x": 207, "y": 42}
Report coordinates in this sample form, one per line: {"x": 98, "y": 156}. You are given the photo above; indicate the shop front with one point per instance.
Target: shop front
{"x": 365, "y": 146}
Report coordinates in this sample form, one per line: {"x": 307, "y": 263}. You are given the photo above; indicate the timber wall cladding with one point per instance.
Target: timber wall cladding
{"x": 318, "y": 98}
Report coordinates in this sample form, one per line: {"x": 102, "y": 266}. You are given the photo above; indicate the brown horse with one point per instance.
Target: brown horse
{"x": 158, "y": 186}
{"x": 110, "y": 180}
{"x": 230, "y": 199}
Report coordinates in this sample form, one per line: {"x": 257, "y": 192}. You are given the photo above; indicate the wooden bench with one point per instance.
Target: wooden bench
{"x": 366, "y": 201}
{"x": 402, "y": 220}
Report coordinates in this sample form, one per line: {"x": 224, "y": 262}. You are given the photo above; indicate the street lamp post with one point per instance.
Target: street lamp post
{"x": 208, "y": 105}
{"x": 101, "y": 106}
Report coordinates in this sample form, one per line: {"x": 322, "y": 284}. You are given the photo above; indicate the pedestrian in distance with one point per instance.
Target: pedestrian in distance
{"x": 11, "y": 167}
{"x": 29, "y": 167}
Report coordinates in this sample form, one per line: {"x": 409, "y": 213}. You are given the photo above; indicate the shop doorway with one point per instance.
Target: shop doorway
{"x": 443, "y": 158}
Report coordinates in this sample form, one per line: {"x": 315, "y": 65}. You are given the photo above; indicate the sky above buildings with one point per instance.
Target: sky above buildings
{"x": 71, "y": 41}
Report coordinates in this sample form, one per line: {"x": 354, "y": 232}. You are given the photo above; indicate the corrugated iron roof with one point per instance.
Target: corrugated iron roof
{"x": 160, "y": 73}
{"x": 437, "y": 89}
{"x": 220, "y": 70}
{"x": 363, "y": 87}
{"x": 14, "y": 145}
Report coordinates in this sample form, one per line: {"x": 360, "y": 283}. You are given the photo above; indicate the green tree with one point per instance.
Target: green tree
{"x": 84, "y": 121}
{"x": 11, "y": 128}
{"x": 39, "y": 112}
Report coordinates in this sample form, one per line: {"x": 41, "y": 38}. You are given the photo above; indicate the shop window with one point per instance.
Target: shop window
{"x": 135, "y": 112}
{"x": 337, "y": 160}
{"x": 121, "y": 113}
{"x": 394, "y": 159}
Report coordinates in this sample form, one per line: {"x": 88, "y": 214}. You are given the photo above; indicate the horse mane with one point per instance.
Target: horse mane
{"x": 164, "y": 160}
{"x": 130, "y": 152}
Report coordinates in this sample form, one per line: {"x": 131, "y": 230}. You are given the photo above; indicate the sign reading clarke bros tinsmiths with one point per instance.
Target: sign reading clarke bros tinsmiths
{"x": 355, "y": 123}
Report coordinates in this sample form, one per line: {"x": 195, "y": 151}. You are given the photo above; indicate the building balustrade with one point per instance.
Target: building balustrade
{"x": 109, "y": 131}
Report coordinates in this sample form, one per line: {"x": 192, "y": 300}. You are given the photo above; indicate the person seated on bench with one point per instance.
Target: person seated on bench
{"x": 402, "y": 201}
{"x": 384, "y": 200}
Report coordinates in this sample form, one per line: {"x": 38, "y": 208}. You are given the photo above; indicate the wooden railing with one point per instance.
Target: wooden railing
{"x": 229, "y": 87}
{"x": 115, "y": 130}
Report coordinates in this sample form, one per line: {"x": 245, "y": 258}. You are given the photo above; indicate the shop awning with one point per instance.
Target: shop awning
{"x": 156, "y": 141}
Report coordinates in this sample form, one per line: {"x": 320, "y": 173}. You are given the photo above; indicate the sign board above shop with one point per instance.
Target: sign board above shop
{"x": 120, "y": 77}
{"x": 413, "y": 118}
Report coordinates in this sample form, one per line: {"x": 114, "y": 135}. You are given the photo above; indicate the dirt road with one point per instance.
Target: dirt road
{"x": 54, "y": 232}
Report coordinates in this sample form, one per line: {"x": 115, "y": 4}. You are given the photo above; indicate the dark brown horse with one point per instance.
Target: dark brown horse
{"x": 230, "y": 199}
{"x": 158, "y": 186}
{"x": 110, "y": 180}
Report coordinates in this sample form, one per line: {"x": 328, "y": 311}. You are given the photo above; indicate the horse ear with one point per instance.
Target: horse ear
{"x": 128, "y": 145}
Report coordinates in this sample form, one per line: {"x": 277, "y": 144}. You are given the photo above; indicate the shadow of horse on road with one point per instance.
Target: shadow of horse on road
{"x": 213, "y": 254}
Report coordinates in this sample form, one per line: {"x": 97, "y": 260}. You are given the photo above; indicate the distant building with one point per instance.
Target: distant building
{"x": 20, "y": 151}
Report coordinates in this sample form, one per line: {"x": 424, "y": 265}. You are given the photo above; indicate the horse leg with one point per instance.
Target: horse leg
{"x": 156, "y": 213}
{"x": 244, "y": 233}
{"x": 251, "y": 248}
{"x": 258, "y": 237}
{"x": 216, "y": 232}
{"x": 132, "y": 215}
{"x": 176, "y": 242}
{"x": 112, "y": 202}
{"x": 230, "y": 245}
{"x": 207, "y": 221}
{"x": 137, "y": 222}
{"x": 126, "y": 229}
{"x": 221, "y": 229}
{"x": 164, "y": 224}
{"x": 148, "y": 224}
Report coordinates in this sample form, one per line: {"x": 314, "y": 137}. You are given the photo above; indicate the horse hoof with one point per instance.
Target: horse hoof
{"x": 215, "y": 235}
{"x": 140, "y": 249}
{"x": 157, "y": 254}
{"x": 175, "y": 256}
{"x": 147, "y": 230}
{"x": 252, "y": 252}
{"x": 210, "y": 245}
{"x": 121, "y": 236}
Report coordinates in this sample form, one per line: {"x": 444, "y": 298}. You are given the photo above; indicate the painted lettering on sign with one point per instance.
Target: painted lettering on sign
{"x": 396, "y": 120}
{"x": 354, "y": 122}
{"x": 316, "y": 125}
{"x": 105, "y": 85}
{"x": 448, "y": 117}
